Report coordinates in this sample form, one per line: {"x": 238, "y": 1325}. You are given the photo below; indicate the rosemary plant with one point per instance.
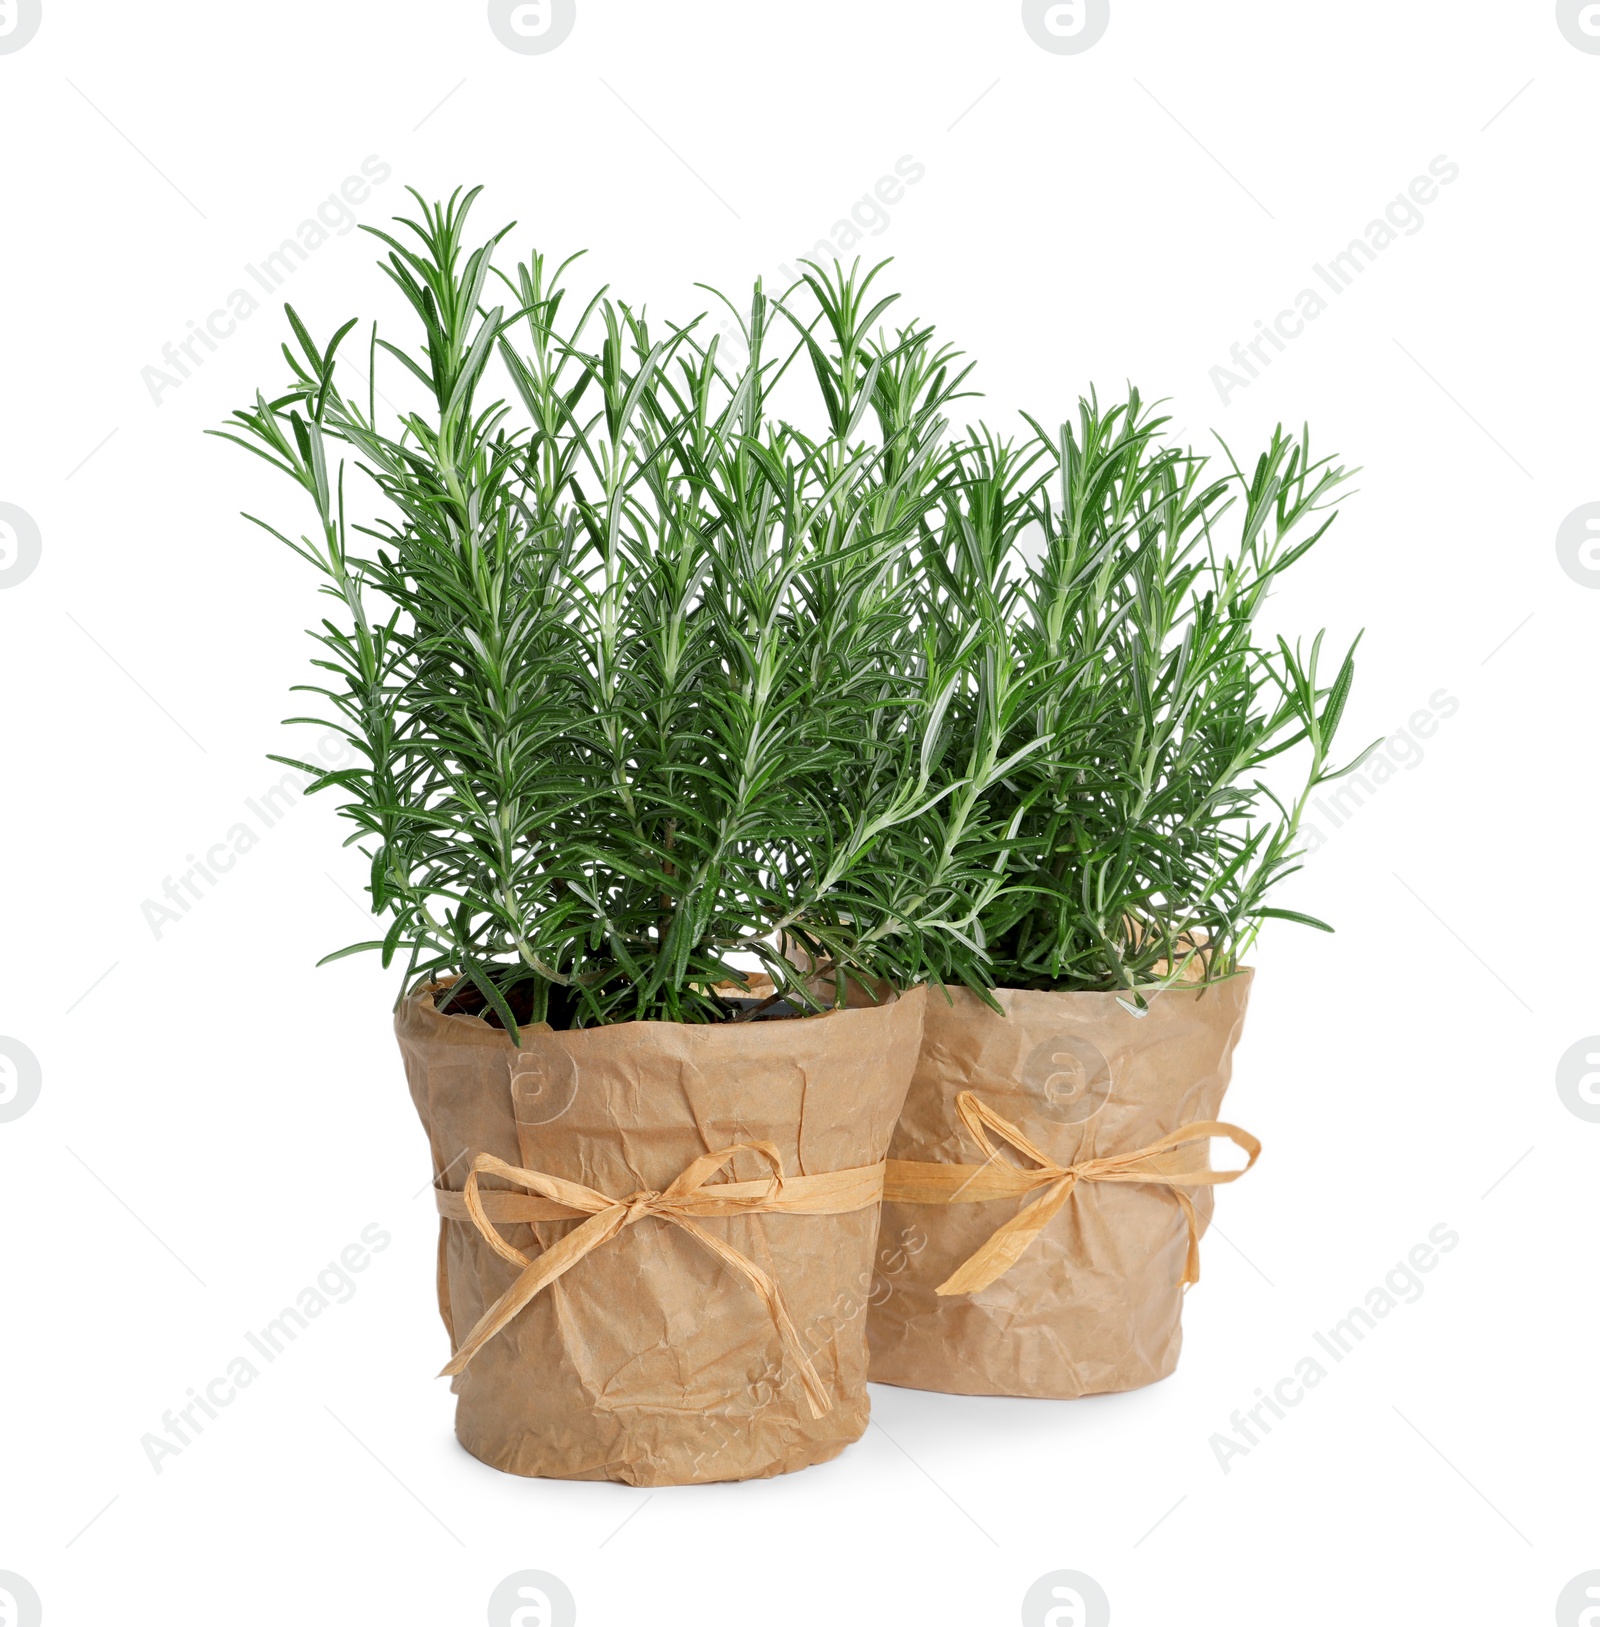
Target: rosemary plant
{"x": 633, "y": 668}
{"x": 1142, "y": 836}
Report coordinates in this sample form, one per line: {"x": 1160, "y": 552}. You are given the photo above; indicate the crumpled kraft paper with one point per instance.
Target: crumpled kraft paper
{"x": 652, "y": 1362}
{"x": 1094, "y": 1303}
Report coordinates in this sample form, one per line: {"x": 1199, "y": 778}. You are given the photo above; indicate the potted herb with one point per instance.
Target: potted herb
{"x": 1050, "y": 1167}
{"x": 644, "y": 721}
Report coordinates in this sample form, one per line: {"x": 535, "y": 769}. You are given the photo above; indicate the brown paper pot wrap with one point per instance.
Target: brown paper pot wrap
{"x": 666, "y": 1327}
{"x": 1084, "y": 1291}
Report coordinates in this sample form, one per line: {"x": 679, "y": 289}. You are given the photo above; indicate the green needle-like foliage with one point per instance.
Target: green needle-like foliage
{"x": 644, "y": 679}
{"x": 633, "y": 667}
{"x": 1143, "y": 839}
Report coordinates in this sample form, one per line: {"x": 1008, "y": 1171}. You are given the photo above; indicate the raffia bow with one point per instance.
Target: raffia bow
{"x": 908, "y": 1182}
{"x": 548, "y": 1197}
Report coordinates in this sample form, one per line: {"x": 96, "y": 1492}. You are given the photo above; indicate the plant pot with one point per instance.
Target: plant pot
{"x": 1024, "y": 1125}
{"x": 655, "y": 1324}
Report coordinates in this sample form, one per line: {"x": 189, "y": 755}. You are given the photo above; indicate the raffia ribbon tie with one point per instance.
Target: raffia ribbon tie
{"x": 907, "y": 1182}
{"x": 547, "y": 1197}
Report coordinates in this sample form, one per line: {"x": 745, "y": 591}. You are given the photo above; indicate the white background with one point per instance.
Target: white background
{"x": 217, "y": 1120}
